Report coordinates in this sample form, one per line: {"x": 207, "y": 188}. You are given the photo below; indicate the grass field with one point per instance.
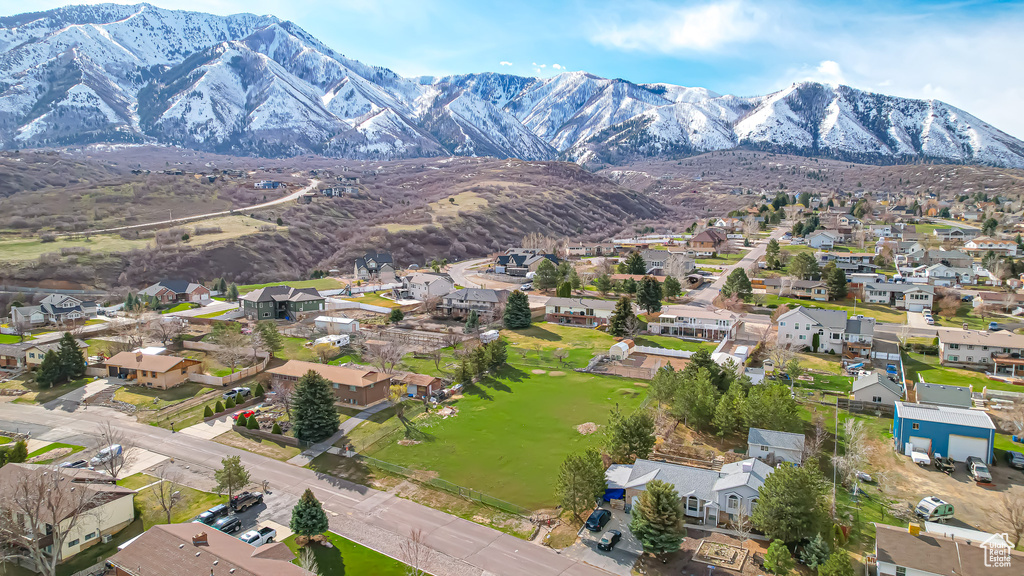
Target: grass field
{"x": 268, "y": 448}
{"x": 151, "y": 398}
{"x": 320, "y": 284}
{"x": 191, "y": 504}
{"x": 929, "y": 368}
{"x": 582, "y": 343}
{"x": 295, "y": 349}
{"x": 10, "y": 339}
{"x": 513, "y": 431}
{"x": 966, "y": 314}
{"x": 347, "y": 557}
{"x": 18, "y": 249}
{"x": 180, "y": 308}
{"x": 37, "y": 395}
{"x": 212, "y": 314}
{"x": 721, "y": 260}
{"x": 876, "y": 311}
{"x": 672, "y": 343}
{"x": 464, "y": 201}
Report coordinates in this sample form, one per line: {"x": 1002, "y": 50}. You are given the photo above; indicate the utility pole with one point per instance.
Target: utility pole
{"x": 835, "y": 452}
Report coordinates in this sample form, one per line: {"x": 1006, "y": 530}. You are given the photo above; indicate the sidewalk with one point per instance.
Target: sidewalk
{"x": 347, "y": 426}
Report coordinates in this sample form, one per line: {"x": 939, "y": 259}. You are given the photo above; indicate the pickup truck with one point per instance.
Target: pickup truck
{"x": 246, "y": 500}
{"x": 259, "y": 537}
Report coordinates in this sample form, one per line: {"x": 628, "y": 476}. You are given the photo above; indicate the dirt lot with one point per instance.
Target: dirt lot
{"x": 682, "y": 562}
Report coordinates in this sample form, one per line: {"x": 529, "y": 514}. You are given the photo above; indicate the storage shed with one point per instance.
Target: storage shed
{"x": 954, "y": 432}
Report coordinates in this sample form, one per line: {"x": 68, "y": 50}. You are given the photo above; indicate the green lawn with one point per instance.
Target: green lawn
{"x": 513, "y": 431}
{"x": 10, "y": 339}
{"x": 823, "y": 362}
{"x": 151, "y": 398}
{"x": 673, "y": 343}
{"x": 212, "y": 314}
{"x": 191, "y": 504}
{"x": 966, "y": 314}
{"x": 582, "y": 343}
{"x": 373, "y": 299}
{"x": 180, "y": 308}
{"x": 347, "y": 557}
{"x": 50, "y": 448}
{"x": 876, "y": 311}
{"x": 295, "y": 349}
{"x": 321, "y": 284}
{"x": 932, "y": 371}
{"x": 721, "y": 259}
{"x": 136, "y": 481}
{"x": 39, "y": 395}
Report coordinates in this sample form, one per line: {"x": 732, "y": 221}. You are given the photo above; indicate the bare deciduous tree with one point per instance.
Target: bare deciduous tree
{"x": 109, "y": 435}
{"x": 632, "y": 326}
{"x": 325, "y": 352}
{"x": 234, "y": 348}
{"x": 1012, "y": 515}
{"x": 130, "y": 331}
{"x": 430, "y": 304}
{"x": 816, "y": 439}
{"x": 855, "y": 451}
{"x": 560, "y": 354}
{"x": 167, "y": 491}
{"x": 166, "y": 328}
{"x": 43, "y": 499}
{"x": 415, "y": 553}
{"x": 452, "y": 339}
{"x": 384, "y": 353}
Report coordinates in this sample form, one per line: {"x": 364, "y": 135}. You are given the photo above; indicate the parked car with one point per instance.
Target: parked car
{"x": 967, "y": 298}
{"x": 526, "y": 287}
{"x": 75, "y": 464}
{"x": 864, "y": 477}
{"x": 228, "y": 524}
{"x": 994, "y": 326}
{"x": 598, "y": 518}
{"x": 213, "y": 514}
{"x": 245, "y": 500}
{"x": 934, "y": 509}
{"x": 106, "y": 455}
{"x": 609, "y": 539}
{"x": 236, "y": 393}
{"x": 247, "y": 413}
{"x": 929, "y": 320}
{"x": 259, "y": 537}
{"x": 977, "y": 470}
{"x": 1015, "y": 459}
{"x": 927, "y": 311}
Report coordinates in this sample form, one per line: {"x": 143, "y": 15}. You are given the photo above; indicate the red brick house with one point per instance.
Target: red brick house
{"x": 354, "y": 387}
{"x": 168, "y": 291}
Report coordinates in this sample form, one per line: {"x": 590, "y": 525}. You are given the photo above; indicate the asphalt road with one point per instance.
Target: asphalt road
{"x": 369, "y": 517}
{"x": 460, "y": 275}
{"x": 706, "y": 295}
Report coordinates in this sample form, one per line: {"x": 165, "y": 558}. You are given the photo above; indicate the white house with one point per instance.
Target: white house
{"x": 798, "y": 327}
{"x": 822, "y": 239}
{"x": 578, "y": 311}
{"x": 775, "y": 446}
{"x": 336, "y": 324}
{"x": 423, "y": 286}
{"x": 901, "y": 552}
{"x": 984, "y": 244}
{"x": 713, "y": 496}
{"x": 942, "y": 275}
{"x": 695, "y": 322}
{"x": 912, "y": 297}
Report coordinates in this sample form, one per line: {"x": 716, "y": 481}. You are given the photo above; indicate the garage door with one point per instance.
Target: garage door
{"x": 922, "y": 444}
{"x": 960, "y": 447}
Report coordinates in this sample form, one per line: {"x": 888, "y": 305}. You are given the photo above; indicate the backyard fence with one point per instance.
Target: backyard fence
{"x": 211, "y": 380}
{"x": 864, "y": 407}
{"x": 462, "y": 491}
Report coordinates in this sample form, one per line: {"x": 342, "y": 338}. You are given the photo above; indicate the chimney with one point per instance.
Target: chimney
{"x": 200, "y": 539}
{"x": 138, "y": 357}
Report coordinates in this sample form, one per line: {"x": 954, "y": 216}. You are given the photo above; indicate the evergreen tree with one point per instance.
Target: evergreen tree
{"x": 219, "y": 407}
{"x": 835, "y": 281}
{"x": 622, "y": 313}
{"x": 546, "y": 276}
{"x": 498, "y": 352}
{"x": 50, "y": 371}
{"x": 665, "y": 385}
{"x": 772, "y": 255}
{"x": 804, "y": 266}
{"x": 472, "y": 321}
{"x": 258, "y": 391}
{"x": 697, "y": 400}
{"x": 232, "y": 476}
{"x": 630, "y": 437}
{"x": 580, "y": 481}
{"x": 815, "y": 552}
{"x": 396, "y": 316}
{"x": 628, "y": 286}
{"x": 517, "y": 311}
{"x": 564, "y": 290}
{"x": 657, "y": 519}
{"x": 252, "y": 423}
{"x": 988, "y": 227}
{"x": 308, "y": 516}
{"x": 815, "y": 342}
{"x": 229, "y": 404}
{"x": 739, "y": 284}
{"x": 635, "y": 264}
{"x": 603, "y": 283}
{"x": 269, "y": 338}
{"x": 648, "y": 294}
{"x": 232, "y": 293}
{"x": 241, "y": 421}
{"x": 729, "y": 412}
{"x": 208, "y": 412}
{"x": 791, "y": 504}
{"x": 313, "y": 413}
{"x": 772, "y": 407}
{"x": 72, "y": 360}
{"x": 276, "y": 429}
{"x": 778, "y": 560}
{"x": 671, "y": 287}
{"x": 838, "y": 564}
{"x": 574, "y": 279}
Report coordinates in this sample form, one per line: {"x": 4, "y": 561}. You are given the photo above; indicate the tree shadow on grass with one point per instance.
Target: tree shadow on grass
{"x": 540, "y": 334}
{"x": 329, "y": 560}
{"x": 413, "y": 432}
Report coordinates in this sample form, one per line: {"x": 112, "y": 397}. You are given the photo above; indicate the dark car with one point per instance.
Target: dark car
{"x": 211, "y": 515}
{"x": 228, "y": 524}
{"x": 609, "y": 539}
{"x": 598, "y": 518}
{"x": 246, "y": 500}
{"x": 75, "y": 464}
{"x": 1015, "y": 459}
{"x": 967, "y": 298}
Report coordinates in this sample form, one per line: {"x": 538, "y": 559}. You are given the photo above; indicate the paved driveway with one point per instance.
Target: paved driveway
{"x": 916, "y": 320}
{"x": 621, "y": 559}
{"x": 210, "y": 430}
{"x": 72, "y": 399}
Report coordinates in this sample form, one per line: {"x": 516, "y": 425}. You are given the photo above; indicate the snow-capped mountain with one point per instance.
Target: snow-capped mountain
{"x": 247, "y": 84}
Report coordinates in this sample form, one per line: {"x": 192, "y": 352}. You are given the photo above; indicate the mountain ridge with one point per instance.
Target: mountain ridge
{"x": 259, "y": 85}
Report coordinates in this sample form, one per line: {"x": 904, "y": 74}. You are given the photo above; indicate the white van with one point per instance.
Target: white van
{"x": 106, "y": 455}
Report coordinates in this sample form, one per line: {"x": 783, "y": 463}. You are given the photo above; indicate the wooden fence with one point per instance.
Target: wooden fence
{"x": 865, "y": 407}
{"x": 211, "y": 380}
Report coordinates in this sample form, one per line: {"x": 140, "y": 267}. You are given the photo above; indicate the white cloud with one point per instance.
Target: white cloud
{"x": 558, "y": 67}
{"x": 702, "y": 28}
{"x": 504, "y": 63}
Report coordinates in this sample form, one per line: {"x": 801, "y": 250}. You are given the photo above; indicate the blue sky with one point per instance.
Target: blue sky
{"x": 968, "y": 54}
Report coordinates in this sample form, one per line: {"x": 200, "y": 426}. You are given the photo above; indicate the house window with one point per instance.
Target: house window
{"x": 733, "y": 502}
{"x": 765, "y": 449}
{"x": 970, "y": 359}
{"x": 803, "y": 336}
{"x": 901, "y": 571}
{"x": 916, "y": 426}
{"x": 90, "y": 535}
{"x": 692, "y": 504}
{"x": 351, "y": 388}
{"x": 952, "y": 358}
{"x": 954, "y": 346}
{"x": 73, "y": 543}
{"x": 876, "y": 398}
{"x": 782, "y": 323}
{"x": 335, "y": 384}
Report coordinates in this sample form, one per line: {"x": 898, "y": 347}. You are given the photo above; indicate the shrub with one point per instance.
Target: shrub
{"x": 258, "y": 392}
{"x": 218, "y": 407}
{"x": 241, "y": 421}
{"x": 230, "y": 404}
{"x": 208, "y": 413}
{"x": 276, "y": 429}
{"x": 252, "y": 424}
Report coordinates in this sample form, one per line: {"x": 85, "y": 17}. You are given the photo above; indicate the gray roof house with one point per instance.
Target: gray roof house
{"x": 943, "y": 395}
{"x": 483, "y": 300}
{"x": 55, "y": 309}
{"x": 877, "y": 387}
{"x": 775, "y": 446}
{"x": 714, "y": 496}
{"x": 798, "y": 327}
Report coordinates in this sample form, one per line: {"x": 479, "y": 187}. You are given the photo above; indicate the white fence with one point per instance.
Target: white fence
{"x": 211, "y": 380}
{"x": 337, "y": 304}
{"x": 663, "y": 352}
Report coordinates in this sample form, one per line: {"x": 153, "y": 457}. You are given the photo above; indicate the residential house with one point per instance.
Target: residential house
{"x": 267, "y": 185}
{"x": 710, "y": 324}
{"x": 420, "y": 385}
{"x": 955, "y": 234}
{"x": 484, "y": 300}
{"x": 877, "y": 387}
{"x": 898, "y": 247}
{"x": 424, "y": 286}
{"x": 911, "y": 552}
{"x": 858, "y": 338}
{"x": 728, "y": 224}
{"x": 712, "y": 496}
{"x": 823, "y": 239}
{"x": 1005, "y": 301}
{"x": 12, "y": 356}
{"x": 280, "y": 303}
{"x": 56, "y": 309}
{"x": 848, "y": 220}
{"x": 798, "y": 327}
{"x": 997, "y": 352}
{"x": 912, "y": 297}
{"x": 336, "y": 324}
{"x": 86, "y": 508}
{"x": 581, "y": 250}
{"x": 773, "y": 446}
{"x": 375, "y": 266}
{"x": 943, "y": 395}
{"x": 521, "y": 261}
{"x": 709, "y": 242}
{"x": 942, "y": 275}
{"x": 954, "y": 432}
{"x": 151, "y": 370}
{"x": 849, "y": 262}
{"x": 172, "y": 291}
{"x": 984, "y": 244}
{"x": 352, "y": 387}
{"x": 667, "y": 263}
{"x": 193, "y": 548}
{"x": 578, "y": 311}
{"x": 792, "y": 288}
{"x": 34, "y": 353}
